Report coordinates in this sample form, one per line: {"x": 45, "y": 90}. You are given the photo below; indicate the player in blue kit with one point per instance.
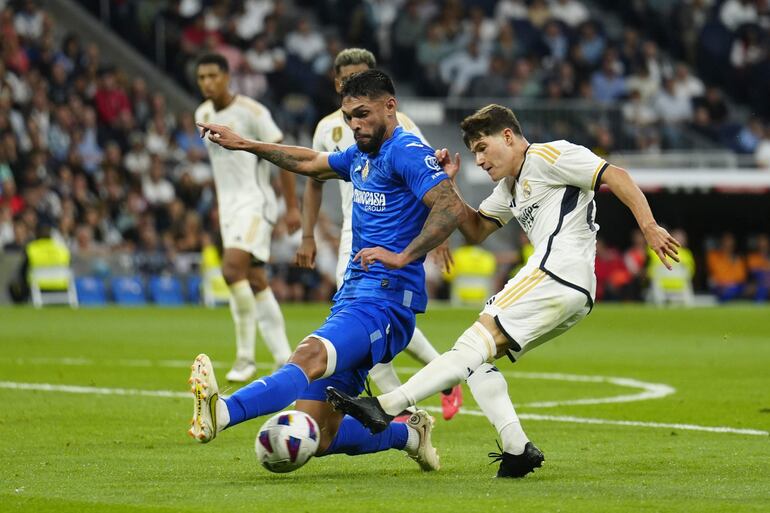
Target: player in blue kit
{"x": 403, "y": 206}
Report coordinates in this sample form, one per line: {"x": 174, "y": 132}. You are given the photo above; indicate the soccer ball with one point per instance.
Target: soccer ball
{"x": 287, "y": 441}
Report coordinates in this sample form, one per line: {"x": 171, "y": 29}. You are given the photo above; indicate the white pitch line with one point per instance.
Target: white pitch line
{"x": 75, "y": 389}
{"x": 647, "y": 390}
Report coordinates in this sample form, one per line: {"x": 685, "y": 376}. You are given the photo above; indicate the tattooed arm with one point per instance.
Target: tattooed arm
{"x": 447, "y": 212}
{"x": 302, "y": 161}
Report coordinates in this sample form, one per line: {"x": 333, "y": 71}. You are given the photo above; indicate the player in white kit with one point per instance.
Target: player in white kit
{"x": 549, "y": 189}
{"x": 333, "y": 134}
{"x": 247, "y": 214}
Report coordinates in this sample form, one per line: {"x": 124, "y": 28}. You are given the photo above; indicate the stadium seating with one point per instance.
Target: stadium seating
{"x": 128, "y": 291}
{"x": 166, "y": 290}
{"x": 90, "y": 291}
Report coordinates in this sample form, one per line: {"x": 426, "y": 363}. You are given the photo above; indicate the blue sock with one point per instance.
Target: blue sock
{"x": 267, "y": 395}
{"x": 353, "y": 438}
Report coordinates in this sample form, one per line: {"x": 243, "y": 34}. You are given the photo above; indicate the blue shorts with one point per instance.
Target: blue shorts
{"x": 364, "y": 332}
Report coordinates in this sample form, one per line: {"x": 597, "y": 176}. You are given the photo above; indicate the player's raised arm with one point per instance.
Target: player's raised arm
{"x": 475, "y": 227}
{"x": 624, "y": 187}
{"x": 296, "y": 159}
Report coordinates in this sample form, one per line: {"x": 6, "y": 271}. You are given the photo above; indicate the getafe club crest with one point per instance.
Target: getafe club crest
{"x": 526, "y": 188}
{"x": 337, "y": 134}
{"x": 365, "y": 170}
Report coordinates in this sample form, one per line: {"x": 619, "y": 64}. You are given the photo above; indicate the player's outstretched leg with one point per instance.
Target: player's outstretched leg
{"x": 420, "y": 348}
{"x": 490, "y": 390}
{"x": 209, "y": 411}
{"x": 386, "y": 379}
{"x": 413, "y": 436}
{"x": 366, "y": 410}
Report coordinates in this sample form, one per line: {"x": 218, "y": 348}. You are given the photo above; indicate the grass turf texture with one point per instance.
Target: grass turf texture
{"x": 75, "y": 452}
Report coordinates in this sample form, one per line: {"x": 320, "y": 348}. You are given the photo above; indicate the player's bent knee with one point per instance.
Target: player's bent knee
{"x": 478, "y": 340}
{"x": 232, "y": 273}
{"x": 311, "y": 357}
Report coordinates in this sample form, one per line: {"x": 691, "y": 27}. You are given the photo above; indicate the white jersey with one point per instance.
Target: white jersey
{"x": 333, "y": 134}
{"x": 553, "y": 200}
{"x": 242, "y": 179}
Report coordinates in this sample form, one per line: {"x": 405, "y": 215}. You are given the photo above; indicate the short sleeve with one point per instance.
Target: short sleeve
{"x": 497, "y": 206}
{"x": 340, "y": 161}
{"x": 416, "y": 163}
{"x": 265, "y": 128}
{"x": 578, "y": 166}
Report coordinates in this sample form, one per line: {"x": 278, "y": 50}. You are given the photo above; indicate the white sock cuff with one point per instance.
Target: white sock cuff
{"x": 240, "y": 285}
{"x": 331, "y": 355}
{"x": 479, "y": 339}
{"x": 412, "y": 441}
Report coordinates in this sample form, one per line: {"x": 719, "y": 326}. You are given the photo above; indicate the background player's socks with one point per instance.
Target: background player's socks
{"x": 419, "y": 347}
{"x": 471, "y": 350}
{"x": 272, "y": 325}
{"x": 490, "y": 390}
{"x": 385, "y": 377}
{"x": 353, "y": 438}
{"x": 244, "y": 311}
{"x": 267, "y": 395}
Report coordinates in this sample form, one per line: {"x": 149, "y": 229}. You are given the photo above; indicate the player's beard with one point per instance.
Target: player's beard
{"x": 372, "y": 144}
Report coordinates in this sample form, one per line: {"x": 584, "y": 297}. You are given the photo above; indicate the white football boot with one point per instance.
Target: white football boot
{"x": 426, "y": 455}
{"x": 206, "y": 394}
{"x": 242, "y": 371}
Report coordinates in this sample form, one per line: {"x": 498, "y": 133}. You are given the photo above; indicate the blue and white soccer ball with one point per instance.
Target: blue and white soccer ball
{"x": 287, "y": 441}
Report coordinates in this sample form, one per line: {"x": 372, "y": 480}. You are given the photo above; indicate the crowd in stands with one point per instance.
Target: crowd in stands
{"x": 97, "y": 155}
{"x": 545, "y": 50}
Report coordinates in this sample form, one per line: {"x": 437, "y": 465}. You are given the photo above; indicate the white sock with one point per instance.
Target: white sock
{"x": 272, "y": 326}
{"x": 412, "y": 441}
{"x": 420, "y": 348}
{"x": 223, "y": 415}
{"x": 385, "y": 377}
{"x": 473, "y": 348}
{"x": 244, "y": 311}
{"x": 490, "y": 390}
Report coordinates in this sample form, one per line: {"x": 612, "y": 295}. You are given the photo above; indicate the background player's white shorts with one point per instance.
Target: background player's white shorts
{"x": 533, "y": 308}
{"x": 346, "y": 245}
{"x": 247, "y": 230}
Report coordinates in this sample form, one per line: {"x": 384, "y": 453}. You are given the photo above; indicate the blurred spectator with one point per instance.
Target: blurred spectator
{"x": 758, "y": 263}
{"x": 305, "y": 43}
{"x": 749, "y": 136}
{"x": 570, "y": 12}
{"x": 762, "y": 151}
{"x": 156, "y": 189}
{"x": 458, "y": 70}
{"x": 613, "y": 280}
{"x": 607, "y": 84}
{"x": 635, "y": 260}
{"x": 507, "y": 10}
{"x": 727, "y": 271}
{"x": 111, "y": 100}
{"x": 735, "y": 13}
{"x": 590, "y": 44}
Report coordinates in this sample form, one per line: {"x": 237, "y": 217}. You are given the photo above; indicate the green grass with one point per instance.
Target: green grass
{"x": 77, "y": 452}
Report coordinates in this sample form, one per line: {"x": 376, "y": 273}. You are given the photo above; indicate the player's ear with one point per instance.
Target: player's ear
{"x": 391, "y": 104}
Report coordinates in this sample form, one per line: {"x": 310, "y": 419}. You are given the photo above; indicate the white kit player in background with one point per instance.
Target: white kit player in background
{"x": 333, "y": 134}
{"x": 247, "y": 213}
{"x": 549, "y": 189}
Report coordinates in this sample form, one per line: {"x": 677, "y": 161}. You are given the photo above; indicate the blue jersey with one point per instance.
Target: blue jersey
{"x": 388, "y": 211}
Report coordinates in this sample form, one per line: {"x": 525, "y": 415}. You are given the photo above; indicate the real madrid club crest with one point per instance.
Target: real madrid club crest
{"x": 526, "y": 188}
{"x": 337, "y": 134}
{"x": 365, "y": 170}
{"x": 206, "y": 117}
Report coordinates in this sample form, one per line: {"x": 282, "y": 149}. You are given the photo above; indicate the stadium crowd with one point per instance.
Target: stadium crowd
{"x": 98, "y": 156}
{"x": 545, "y": 50}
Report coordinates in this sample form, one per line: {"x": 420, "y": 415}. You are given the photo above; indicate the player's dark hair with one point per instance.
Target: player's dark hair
{"x": 353, "y": 57}
{"x": 489, "y": 120}
{"x": 213, "y": 58}
{"x": 371, "y": 83}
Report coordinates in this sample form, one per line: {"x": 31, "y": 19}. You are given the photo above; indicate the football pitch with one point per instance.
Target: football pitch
{"x": 635, "y": 409}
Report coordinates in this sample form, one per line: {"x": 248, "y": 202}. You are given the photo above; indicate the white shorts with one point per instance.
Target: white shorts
{"x": 247, "y": 230}
{"x": 533, "y": 308}
{"x": 346, "y": 245}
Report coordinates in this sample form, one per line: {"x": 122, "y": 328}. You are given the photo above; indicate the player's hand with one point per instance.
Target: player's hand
{"x": 305, "y": 256}
{"x": 451, "y": 168}
{"x": 369, "y": 256}
{"x": 293, "y": 219}
{"x": 221, "y": 135}
{"x": 662, "y": 243}
{"x": 443, "y": 257}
